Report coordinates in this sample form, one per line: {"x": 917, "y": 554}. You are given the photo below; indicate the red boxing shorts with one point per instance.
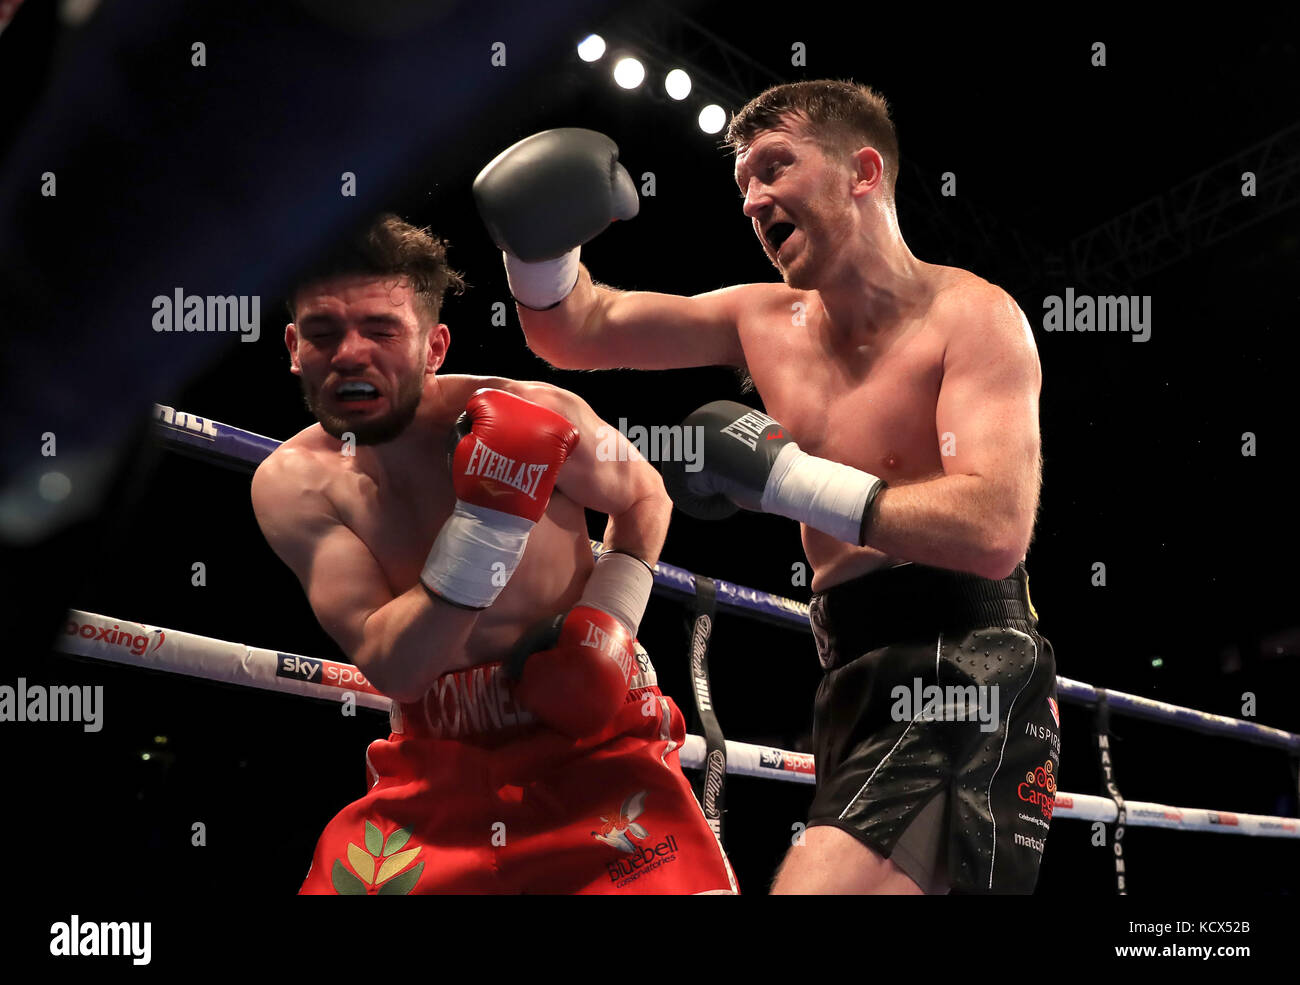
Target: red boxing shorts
{"x": 470, "y": 795}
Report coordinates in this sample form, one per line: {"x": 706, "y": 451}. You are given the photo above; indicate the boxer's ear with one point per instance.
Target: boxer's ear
{"x": 436, "y": 352}
{"x": 291, "y": 343}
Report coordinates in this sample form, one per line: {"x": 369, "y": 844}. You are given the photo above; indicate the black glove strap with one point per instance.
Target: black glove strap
{"x": 710, "y": 786}
{"x": 1102, "y": 729}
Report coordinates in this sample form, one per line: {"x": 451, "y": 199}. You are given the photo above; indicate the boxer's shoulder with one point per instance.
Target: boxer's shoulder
{"x": 309, "y": 451}
{"x": 965, "y": 306}
{"x": 458, "y": 389}
{"x": 290, "y": 489}
{"x": 957, "y": 291}
{"x": 759, "y": 305}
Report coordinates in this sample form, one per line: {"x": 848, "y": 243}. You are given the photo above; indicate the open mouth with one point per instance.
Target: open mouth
{"x": 355, "y": 392}
{"x": 778, "y": 233}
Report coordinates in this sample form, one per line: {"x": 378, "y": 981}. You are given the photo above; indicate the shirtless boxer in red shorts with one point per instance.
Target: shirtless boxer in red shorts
{"x": 437, "y": 526}
{"x": 904, "y": 438}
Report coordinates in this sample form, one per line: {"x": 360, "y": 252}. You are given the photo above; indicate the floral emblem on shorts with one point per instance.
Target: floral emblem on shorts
{"x": 379, "y": 869}
{"x": 619, "y": 827}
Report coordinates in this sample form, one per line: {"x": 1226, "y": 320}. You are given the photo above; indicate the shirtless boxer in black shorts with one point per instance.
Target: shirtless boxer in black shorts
{"x": 907, "y": 447}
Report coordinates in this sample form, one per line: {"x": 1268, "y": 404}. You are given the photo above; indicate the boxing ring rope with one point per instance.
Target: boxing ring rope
{"x": 88, "y": 634}
{"x": 100, "y": 637}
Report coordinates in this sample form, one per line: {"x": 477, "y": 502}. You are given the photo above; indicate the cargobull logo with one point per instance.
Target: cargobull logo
{"x": 617, "y": 830}
{"x": 136, "y": 643}
{"x": 1223, "y": 817}
{"x": 1039, "y": 789}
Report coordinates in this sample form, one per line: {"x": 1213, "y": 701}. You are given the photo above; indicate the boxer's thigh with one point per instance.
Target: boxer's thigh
{"x": 416, "y": 831}
{"x": 882, "y": 772}
{"x": 621, "y": 819}
{"x": 1005, "y": 778}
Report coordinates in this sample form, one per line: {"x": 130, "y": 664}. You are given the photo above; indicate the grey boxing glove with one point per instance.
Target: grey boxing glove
{"x": 750, "y": 463}
{"x": 545, "y": 196}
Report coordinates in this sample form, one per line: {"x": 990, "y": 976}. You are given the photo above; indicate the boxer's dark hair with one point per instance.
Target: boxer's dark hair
{"x": 391, "y": 247}
{"x": 842, "y": 116}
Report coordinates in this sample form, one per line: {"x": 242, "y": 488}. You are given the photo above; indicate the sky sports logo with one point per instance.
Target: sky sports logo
{"x": 327, "y": 673}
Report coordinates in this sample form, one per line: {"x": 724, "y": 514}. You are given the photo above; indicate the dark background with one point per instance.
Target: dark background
{"x": 1144, "y": 470}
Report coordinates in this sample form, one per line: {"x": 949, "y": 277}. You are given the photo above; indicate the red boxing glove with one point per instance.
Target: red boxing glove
{"x": 578, "y": 684}
{"x": 506, "y": 457}
{"x": 509, "y": 453}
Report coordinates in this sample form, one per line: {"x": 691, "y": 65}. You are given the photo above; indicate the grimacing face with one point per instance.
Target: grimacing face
{"x": 798, "y": 200}
{"x": 360, "y": 349}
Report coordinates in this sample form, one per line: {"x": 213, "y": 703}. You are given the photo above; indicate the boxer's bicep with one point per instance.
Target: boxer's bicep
{"x": 986, "y": 419}
{"x": 647, "y": 330}
{"x": 345, "y": 586}
{"x": 343, "y": 581}
{"x": 605, "y": 472}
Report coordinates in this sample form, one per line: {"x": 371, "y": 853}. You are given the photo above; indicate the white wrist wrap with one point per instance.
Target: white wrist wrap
{"x": 475, "y": 554}
{"x": 540, "y": 285}
{"x": 620, "y": 586}
{"x": 827, "y": 496}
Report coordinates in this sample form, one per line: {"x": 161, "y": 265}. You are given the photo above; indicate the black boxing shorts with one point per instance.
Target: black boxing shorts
{"x": 936, "y": 729}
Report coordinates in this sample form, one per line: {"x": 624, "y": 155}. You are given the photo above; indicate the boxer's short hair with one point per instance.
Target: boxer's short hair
{"x": 842, "y": 116}
{"x": 391, "y": 247}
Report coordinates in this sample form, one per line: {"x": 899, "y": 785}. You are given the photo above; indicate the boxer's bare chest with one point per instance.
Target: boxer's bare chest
{"x": 868, "y": 402}
{"x": 398, "y": 511}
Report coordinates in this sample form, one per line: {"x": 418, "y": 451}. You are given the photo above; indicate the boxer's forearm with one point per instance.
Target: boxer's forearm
{"x": 557, "y": 334}
{"x": 959, "y": 522}
{"x": 411, "y": 642}
{"x": 641, "y": 529}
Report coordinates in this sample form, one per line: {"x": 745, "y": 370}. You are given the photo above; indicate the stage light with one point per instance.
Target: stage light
{"x": 629, "y": 73}
{"x": 712, "y": 118}
{"x": 591, "y": 48}
{"x": 678, "y": 84}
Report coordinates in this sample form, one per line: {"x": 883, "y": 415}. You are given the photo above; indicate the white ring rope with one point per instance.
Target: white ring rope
{"x": 99, "y": 637}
